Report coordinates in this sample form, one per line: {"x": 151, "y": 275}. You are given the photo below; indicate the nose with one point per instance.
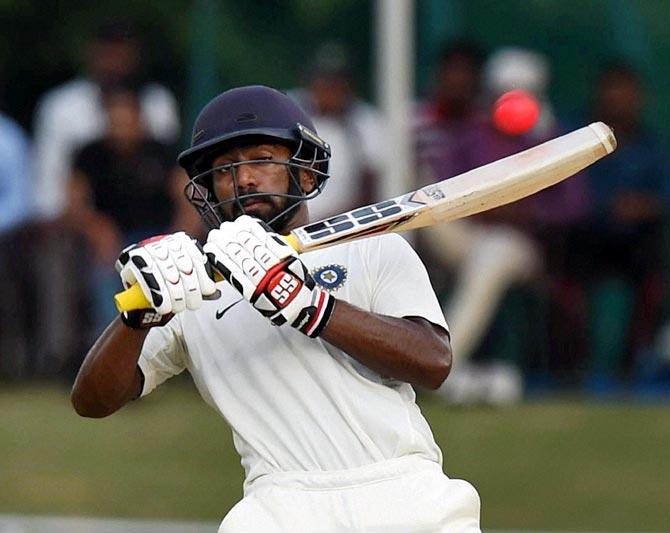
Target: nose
{"x": 246, "y": 176}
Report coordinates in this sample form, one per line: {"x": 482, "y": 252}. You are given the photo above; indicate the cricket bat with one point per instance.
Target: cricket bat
{"x": 487, "y": 187}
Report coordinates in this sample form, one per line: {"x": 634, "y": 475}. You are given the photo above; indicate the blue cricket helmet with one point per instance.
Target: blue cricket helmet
{"x": 246, "y": 111}
{"x": 251, "y": 112}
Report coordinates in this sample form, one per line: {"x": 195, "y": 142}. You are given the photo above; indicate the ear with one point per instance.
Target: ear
{"x": 307, "y": 181}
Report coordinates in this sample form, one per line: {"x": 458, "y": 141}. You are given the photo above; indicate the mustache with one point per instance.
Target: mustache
{"x": 245, "y": 196}
{"x": 252, "y": 194}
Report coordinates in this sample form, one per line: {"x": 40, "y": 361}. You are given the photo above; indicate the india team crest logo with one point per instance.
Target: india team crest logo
{"x": 330, "y": 277}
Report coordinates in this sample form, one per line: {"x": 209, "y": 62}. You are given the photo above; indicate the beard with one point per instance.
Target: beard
{"x": 264, "y": 207}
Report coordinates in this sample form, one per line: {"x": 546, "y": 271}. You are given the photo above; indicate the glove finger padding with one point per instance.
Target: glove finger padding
{"x": 171, "y": 270}
{"x": 138, "y": 266}
{"x": 262, "y": 256}
{"x": 168, "y": 262}
{"x": 223, "y": 261}
{"x": 269, "y": 274}
{"x": 205, "y": 284}
{"x": 271, "y": 241}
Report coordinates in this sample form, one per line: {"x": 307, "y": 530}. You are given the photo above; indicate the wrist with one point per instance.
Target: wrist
{"x": 314, "y": 319}
{"x": 144, "y": 319}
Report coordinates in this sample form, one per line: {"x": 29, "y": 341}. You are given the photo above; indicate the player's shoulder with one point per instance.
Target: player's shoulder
{"x": 369, "y": 248}
{"x": 383, "y": 243}
{"x": 391, "y": 239}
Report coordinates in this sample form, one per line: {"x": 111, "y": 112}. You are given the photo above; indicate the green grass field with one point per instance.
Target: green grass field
{"x": 545, "y": 465}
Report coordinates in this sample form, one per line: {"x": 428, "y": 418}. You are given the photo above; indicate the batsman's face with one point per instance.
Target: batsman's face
{"x": 265, "y": 175}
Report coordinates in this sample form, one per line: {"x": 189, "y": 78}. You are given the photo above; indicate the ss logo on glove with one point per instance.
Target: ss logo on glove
{"x": 269, "y": 274}
{"x": 283, "y": 288}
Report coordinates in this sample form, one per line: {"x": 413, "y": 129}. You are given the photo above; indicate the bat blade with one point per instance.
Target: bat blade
{"x": 487, "y": 187}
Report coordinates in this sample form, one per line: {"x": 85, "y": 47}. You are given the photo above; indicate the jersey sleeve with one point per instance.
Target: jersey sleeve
{"x": 400, "y": 285}
{"x": 163, "y": 355}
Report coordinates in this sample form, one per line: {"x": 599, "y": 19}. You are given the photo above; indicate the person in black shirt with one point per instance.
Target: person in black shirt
{"x": 124, "y": 188}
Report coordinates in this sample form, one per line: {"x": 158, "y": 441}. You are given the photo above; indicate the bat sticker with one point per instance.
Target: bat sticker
{"x": 433, "y": 191}
{"x": 372, "y": 214}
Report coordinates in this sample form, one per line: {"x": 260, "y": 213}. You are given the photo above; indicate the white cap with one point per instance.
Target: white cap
{"x": 519, "y": 68}
{"x": 516, "y": 68}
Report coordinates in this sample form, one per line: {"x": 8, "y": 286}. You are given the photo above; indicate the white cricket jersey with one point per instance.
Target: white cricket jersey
{"x": 301, "y": 404}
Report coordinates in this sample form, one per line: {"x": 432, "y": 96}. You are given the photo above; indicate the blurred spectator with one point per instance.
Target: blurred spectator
{"x": 67, "y": 118}
{"x": 116, "y": 184}
{"x": 71, "y": 115}
{"x": 621, "y": 248}
{"x": 486, "y": 257}
{"x": 553, "y": 217}
{"x": 15, "y": 177}
{"x": 16, "y": 197}
{"x": 353, "y": 128}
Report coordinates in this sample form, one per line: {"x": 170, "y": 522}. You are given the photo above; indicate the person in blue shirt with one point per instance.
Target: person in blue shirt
{"x": 15, "y": 203}
{"x": 15, "y": 194}
{"x": 621, "y": 247}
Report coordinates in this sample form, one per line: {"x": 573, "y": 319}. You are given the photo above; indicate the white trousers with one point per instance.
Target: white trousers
{"x": 404, "y": 495}
{"x": 488, "y": 260}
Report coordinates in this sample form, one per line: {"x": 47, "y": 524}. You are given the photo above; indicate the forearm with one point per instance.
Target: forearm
{"x": 410, "y": 350}
{"x": 109, "y": 377}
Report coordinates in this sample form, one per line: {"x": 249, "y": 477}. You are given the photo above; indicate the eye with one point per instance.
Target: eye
{"x": 264, "y": 160}
{"x": 223, "y": 168}
{"x": 222, "y": 171}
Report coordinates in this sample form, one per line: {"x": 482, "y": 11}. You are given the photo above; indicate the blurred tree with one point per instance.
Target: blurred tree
{"x": 260, "y": 41}
{"x": 578, "y": 36}
{"x": 41, "y": 43}
{"x": 265, "y": 41}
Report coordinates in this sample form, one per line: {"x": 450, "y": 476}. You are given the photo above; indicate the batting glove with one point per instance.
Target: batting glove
{"x": 173, "y": 273}
{"x": 269, "y": 274}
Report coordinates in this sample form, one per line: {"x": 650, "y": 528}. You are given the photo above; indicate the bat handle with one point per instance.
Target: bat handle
{"x": 133, "y": 298}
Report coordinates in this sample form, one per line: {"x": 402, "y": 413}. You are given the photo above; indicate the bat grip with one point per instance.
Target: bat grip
{"x": 133, "y": 297}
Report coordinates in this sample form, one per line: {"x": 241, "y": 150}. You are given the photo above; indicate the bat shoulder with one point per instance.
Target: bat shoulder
{"x": 386, "y": 243}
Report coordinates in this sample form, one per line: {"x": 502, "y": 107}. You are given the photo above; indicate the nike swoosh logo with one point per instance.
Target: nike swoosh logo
{"x": 220, "y": 313}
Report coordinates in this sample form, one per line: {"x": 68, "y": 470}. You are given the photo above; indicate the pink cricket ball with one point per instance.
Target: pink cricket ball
{"x": 515, "y": 112}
